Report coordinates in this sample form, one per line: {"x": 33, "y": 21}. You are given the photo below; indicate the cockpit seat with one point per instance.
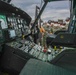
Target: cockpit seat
{"x": 37, "y": 67}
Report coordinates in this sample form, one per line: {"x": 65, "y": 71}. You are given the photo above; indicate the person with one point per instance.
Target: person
{"x": 42, "y": 36}
{"x": 36, "y": 34}
{"x": 42, "y": 30}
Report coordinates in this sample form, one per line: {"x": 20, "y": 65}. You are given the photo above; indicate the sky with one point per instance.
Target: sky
{"x": 53, "y": 11}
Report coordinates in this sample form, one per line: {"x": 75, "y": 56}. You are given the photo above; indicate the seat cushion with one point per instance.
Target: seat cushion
{"x": 36, "y": 67}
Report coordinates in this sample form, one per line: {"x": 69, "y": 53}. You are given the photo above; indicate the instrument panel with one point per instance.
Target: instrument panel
{"x": 19, "y": 25}
{"x": 14, "y": 26}
{"x": 34, "y": 50}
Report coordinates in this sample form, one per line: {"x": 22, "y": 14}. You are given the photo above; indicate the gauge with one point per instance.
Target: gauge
{"x": 24, "y": 27}
{"x": 8, "y": 19}
{"x": 16, "y": 27}
{"x": 3, "y": 23}
{"x": 21, "y": 20}
{"x": 14, "y": 24}
{"x": 19, "y": 33}
{"x": 19, "y": 26}
{"x": 25, "y": 22}
{"x": 18, "y": 21}
{"x": 11, "y": 19}
{"x": 22, "y": 30}
{"x": 15, "y": 20}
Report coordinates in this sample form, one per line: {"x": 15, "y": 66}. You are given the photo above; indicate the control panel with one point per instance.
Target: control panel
{"x": 35, "y": 50}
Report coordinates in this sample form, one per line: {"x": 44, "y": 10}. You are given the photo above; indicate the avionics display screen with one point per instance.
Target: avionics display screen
{"x": 12, "y": 33}
{"x": 3, "y": 22}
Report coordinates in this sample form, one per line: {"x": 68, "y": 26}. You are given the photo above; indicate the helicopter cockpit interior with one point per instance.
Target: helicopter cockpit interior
{"x": 20, "y": 56}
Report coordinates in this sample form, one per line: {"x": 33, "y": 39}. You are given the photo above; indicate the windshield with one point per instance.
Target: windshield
{"x": 54, "y": 10}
